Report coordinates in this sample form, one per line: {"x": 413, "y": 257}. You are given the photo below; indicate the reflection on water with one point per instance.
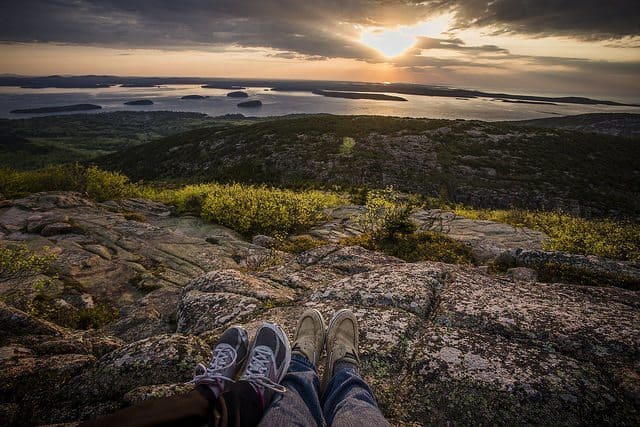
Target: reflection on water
{"x": 281, "y": 103}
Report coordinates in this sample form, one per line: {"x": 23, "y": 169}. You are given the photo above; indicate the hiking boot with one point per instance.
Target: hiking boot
{"x": 268, "y": 361}
{"x": 342, "y": 343}
{"x": 308, "y": 340}
{"x": 227, "y": 357}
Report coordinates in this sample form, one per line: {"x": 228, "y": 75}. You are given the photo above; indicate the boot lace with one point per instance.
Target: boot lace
{"x": 224, "y": 356}
{"x": 257, "y": 370}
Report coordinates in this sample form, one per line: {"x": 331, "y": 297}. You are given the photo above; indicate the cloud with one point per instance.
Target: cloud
{"x": 455, "y": 44}
{"x": 582, "y": 19}
{"x": 323, "y": 29}
{"x": 326, "y": 28}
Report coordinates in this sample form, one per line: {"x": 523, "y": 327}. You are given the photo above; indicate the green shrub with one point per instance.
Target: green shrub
{"x": 254, "y": 210}
{"x": 104, "y": 185}
{"x": 299, "y": 244}
{"x": 418, "y": 246}
{"x": 99, "y": 184}
{"x": 386, "y": 213}
{"x": 51, "y": 178}
{"x": 20, "y": 261}
{"x": 45, "y": 306}
{"x": 347, "y": 146}
{"x": 609, "y": 238}
{"x": 190, "y": 199}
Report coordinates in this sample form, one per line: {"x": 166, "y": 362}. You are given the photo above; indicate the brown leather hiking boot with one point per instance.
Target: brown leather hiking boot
{"x": 342, "y": 342}
{"x": 308, "y": 340}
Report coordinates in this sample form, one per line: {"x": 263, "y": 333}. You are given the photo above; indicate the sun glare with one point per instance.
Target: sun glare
{"x": 394, "y": 42}
{"x": 390, "y": 42}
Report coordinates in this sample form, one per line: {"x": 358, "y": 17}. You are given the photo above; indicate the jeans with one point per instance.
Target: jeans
{"x": 347, "y": 400}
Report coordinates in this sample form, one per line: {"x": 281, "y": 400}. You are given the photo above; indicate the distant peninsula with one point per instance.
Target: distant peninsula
{"x": 222, "y": 85}
{"x": 250, "y": 104}
{"x": 194, "y": 97}
{"x": 139, "y": 102}
{"x": 61, "y": 109}
{"x": 139, "y": 85}
{"x": 528, "y": 102}
{"x": 359, "y": 95}
{"x": 238, "y": 94}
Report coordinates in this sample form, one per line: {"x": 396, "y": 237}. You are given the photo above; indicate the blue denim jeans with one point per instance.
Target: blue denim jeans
{"x": 347, "y": 400}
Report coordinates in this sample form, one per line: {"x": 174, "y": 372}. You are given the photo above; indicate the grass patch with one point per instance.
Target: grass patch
{"x": 98, "y": 184}
{"x": 417, "y": 246}
{"x": 254, "y": 210}
{"x": 247, "y": 209}
{"x": 19, "y": 261}
{"x": 609, "y": 238}
{"x": 298, "y": 244}
{"x": 388, "y": 229}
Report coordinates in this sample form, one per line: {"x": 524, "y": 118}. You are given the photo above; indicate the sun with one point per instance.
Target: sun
{"x": 390, "y": 43}
{"x": 394, "y": 42}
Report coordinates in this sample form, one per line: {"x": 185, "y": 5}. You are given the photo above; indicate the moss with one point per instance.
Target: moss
{"x": 414, "y": 247}
{"x": 135, "y": 216}
{"x": 550, "y": 272}
{"x": 20, "y": 261}
{"x": 298, "y": 244}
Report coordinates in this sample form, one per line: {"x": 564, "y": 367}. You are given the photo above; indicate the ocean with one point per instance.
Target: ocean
{"x": 167, "y": 98}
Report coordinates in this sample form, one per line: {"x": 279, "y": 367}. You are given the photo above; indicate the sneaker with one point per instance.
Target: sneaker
{"x": 268, "y": 361}
{"x": 342, "y": 342}
{"x": 227, "y": 357}
{"x": 308, "y": 340}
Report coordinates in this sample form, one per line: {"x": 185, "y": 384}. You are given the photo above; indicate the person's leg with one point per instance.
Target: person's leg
{"x": 347, "y": 399}
{"x": 300, "y": 404}
{"x": 196, "y": 407}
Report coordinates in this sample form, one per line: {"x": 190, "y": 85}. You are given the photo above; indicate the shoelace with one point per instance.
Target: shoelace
{"x": 258, "y": 369}
{"x": 224, "y": 356}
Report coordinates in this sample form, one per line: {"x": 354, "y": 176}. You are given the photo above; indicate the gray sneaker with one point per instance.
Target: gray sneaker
{"x": 269, "y": 359}
{"x": 342, "y": 342}
{"x": 309, "y": 338}
{"x": 227, "y": 357}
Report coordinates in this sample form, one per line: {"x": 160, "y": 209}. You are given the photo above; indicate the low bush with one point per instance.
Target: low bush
{"x": 254, "y": 210}
{"x": 299, "y": 244}
{"x": 99, "y": 184}
{"x": 609, "y": 238}
{"x": 386, "y": 213}
{"x": 104, "y": 185}
{"x": 418, "y": 246}
{"x": 20, "y": 261}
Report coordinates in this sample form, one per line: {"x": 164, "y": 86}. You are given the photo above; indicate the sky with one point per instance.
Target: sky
{"x": 554, "y": 47}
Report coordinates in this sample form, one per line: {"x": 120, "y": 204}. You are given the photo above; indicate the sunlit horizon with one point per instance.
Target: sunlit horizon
{"x": 545, "y": 51}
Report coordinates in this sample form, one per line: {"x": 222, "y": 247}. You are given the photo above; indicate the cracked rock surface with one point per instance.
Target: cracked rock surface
{"x": 440, "y": 343}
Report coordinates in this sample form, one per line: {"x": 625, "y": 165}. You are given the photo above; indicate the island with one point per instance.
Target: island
{"x": 238, "y": 94}
{"x": 133, "y": 85}
{"x": 61, "y": 109}
{"x": 250, "y": 104}
{"x": 510, "y": 101}
{"x": 222, "y": 85}
{"x": 359, "y": 95}
{"x": 139, "y": 102}
{"x": 194, "y": 97}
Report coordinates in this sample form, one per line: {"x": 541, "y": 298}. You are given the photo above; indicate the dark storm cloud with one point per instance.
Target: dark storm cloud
{"x": 583, "y": 19}
{"x": 322, "y": 28}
